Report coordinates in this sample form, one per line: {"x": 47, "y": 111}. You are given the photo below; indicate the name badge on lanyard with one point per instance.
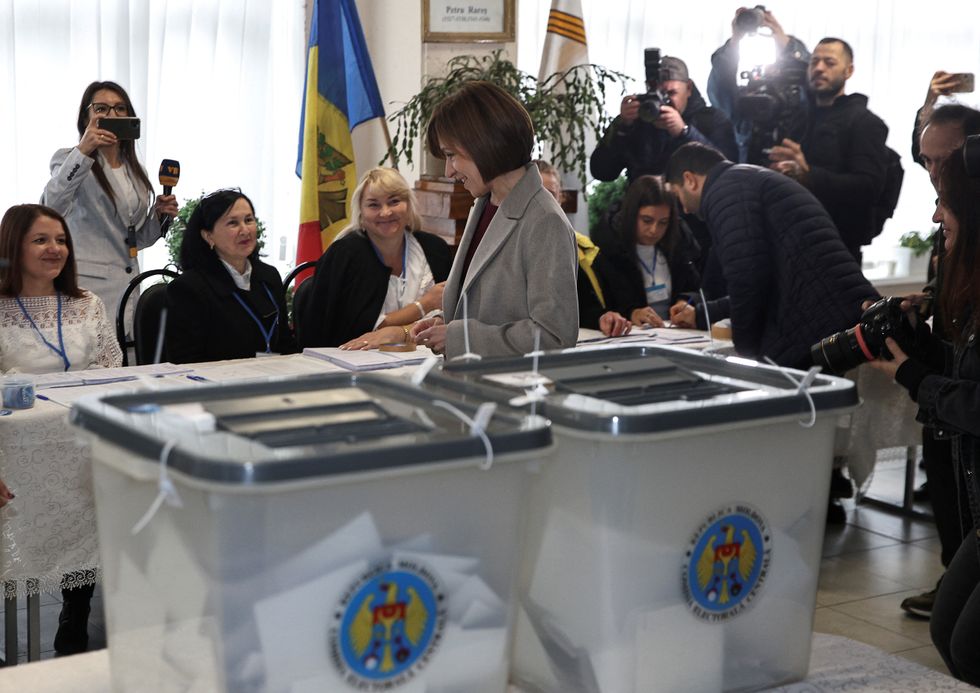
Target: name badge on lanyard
{"x": 657, "y": 294}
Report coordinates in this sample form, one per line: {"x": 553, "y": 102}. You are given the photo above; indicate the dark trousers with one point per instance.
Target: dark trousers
{"x": 955, "y": 621}
{"x": 950, "y": 507}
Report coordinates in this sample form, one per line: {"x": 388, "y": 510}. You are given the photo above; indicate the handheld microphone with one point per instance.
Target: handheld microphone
{"x": 169, "y": 174}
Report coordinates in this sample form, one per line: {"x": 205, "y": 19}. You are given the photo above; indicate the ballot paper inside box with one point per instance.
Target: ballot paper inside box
{"x": 292, "y": 557}
{"x": 674, "y": 538}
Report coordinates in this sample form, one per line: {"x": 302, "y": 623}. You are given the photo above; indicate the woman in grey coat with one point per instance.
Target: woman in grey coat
{"x": 103, "y": 192}
{"x": 515, "y": 268}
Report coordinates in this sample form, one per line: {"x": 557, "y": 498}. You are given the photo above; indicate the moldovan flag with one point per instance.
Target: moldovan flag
{"x": 340, "y": 94}
{"x": 564, "y": 44}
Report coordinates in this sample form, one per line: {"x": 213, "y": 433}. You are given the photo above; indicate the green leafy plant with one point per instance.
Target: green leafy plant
{"x": 919, "y": 243}
{"x": 601, "y": 195}
{"x": 175, "y": 235}
{"x": 563, "y": 107}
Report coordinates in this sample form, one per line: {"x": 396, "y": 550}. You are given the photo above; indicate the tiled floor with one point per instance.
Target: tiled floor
{"x": 870, "y": 565}
{"x": 874, "y": 562}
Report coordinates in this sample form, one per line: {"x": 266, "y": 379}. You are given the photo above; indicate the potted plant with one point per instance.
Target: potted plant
{"x": 563, "y": 107}
{"x": 918, "y": 246}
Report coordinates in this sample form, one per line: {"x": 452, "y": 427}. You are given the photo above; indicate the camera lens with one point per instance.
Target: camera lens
{"x": 839, "y": 352}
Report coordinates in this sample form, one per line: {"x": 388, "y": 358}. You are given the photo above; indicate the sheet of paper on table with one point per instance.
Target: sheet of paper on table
{"x": 96, "y": 376}
{"x": 368, "y": 359}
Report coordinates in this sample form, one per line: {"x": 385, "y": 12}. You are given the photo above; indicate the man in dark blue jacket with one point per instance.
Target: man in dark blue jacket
{"x": 791, "y": 281}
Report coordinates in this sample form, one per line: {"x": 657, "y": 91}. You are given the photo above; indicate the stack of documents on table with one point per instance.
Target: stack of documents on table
{"x": 640, "y": 336}
{"x": 99, "y": 376}
{"x": 367, "y": 360}
{"x": 261, "y": 369}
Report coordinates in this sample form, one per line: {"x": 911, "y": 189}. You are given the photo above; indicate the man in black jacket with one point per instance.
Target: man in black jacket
{"x": 643, "y": 147}
{"x": 842, "y": 159}
{"x": 791, "y": 281}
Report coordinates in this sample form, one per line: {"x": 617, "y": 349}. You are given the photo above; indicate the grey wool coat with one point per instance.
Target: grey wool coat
{"x": 522, "y": 276}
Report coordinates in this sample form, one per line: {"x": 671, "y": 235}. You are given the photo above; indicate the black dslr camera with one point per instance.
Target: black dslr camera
{"x": 749, "y": 21}
{"x": 655, "y": 98}
{"x": 864, "y": 342}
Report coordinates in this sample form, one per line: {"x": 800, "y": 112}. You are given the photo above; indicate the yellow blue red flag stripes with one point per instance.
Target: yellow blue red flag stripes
{"x": 340, "y": 93}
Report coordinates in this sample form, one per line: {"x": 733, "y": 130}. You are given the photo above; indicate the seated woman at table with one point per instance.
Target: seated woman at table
{"x": 380, "y": 274}
{"x": 47, "y": 323}
{"x": 944, "y": 380}
{"x": 514, "y": 275}
{"x": 652, "y": 253}
{"x": 226, "y": 304}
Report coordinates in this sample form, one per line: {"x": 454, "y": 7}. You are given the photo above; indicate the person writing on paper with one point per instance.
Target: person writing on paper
{"x": 652, "y": 253}
{"x": 943, "y": 378}
{"x": 514, "y": 271}
{"x": 47, "y": 323}
{"x": 592, "y": 271}
{"x": 380, "y": 274}
{"x": 227, "y": 304}
{"x": 105, "y": 195}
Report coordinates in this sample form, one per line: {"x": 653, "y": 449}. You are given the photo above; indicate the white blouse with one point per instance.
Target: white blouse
{"x": 89, "y": 339}
{"x": 402, "y": 291}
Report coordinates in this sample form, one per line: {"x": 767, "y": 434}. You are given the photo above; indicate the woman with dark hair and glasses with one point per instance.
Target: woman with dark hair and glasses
{"x": 514, "y": 274}
{"x": 103, "y": 192}
{"x": 944, "y": 380}
{"x": 651, "y": 252}
{"x": 227, "y": 304}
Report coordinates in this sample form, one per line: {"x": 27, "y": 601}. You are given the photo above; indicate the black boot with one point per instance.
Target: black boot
{"x": 72, "y": 635}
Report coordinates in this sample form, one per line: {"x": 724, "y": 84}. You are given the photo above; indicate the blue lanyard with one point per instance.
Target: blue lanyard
{"x": 401, "y": 287}
{"x": 266, "y": 334}
{"x": 61, "y": 338}
{"x": 650, "y": 270}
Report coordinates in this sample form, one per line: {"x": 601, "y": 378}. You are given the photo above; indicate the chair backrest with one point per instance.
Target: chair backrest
{"x": 301, "y": 297}
{"x": 146, "y": 324}
{"x": 301, "y": 292}
{"x": 134, "y": 284}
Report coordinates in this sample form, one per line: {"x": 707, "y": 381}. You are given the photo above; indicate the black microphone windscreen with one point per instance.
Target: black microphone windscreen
{"x": 169, "y": 173}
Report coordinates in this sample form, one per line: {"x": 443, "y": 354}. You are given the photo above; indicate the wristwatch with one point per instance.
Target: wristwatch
{"x": 686, "y": 131}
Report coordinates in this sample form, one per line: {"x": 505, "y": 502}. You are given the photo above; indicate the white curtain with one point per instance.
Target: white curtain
{"x": 217, "y": 85}
{"x": 897, "y": 44}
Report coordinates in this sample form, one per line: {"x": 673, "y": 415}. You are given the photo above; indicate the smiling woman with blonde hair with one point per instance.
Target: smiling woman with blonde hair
{"x": 380, "y": 274}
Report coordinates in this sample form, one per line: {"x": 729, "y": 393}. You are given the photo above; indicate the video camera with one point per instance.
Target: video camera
{"x": 655, "y": 97}
{"x": 773, "y": 101}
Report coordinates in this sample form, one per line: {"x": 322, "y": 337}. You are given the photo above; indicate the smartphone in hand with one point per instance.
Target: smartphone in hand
{"x": 964, "y": 83}
{"x": 123, "y": 128}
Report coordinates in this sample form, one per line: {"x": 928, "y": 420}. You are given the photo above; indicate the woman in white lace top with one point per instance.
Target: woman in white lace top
{"x": 47, "y": 323}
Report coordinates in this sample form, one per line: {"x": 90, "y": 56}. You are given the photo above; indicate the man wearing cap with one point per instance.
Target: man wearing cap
{"x": 643, "y": 147}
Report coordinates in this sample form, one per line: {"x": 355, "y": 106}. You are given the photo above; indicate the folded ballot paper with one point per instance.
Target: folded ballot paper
{"x": 353, "y": 614}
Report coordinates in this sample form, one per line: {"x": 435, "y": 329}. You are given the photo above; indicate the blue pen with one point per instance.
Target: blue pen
{"x": 198, "y": 378}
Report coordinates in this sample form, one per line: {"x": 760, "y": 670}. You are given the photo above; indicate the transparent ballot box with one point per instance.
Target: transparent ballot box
{"x": 674, "y": 538}
{"x": 329, "y": 533}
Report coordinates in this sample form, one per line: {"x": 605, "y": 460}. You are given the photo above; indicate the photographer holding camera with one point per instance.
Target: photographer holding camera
{"x": 944, "y": 380}
{"x": 772, "y": 105}
{"x": 842, "y": 158}
{"x": 651, "y": 126}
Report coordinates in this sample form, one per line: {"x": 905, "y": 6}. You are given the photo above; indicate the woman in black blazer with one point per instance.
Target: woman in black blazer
{"x": 227, "y": 304}
{"x": 380, "y": 275}
{"x": 651, "y": 253}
